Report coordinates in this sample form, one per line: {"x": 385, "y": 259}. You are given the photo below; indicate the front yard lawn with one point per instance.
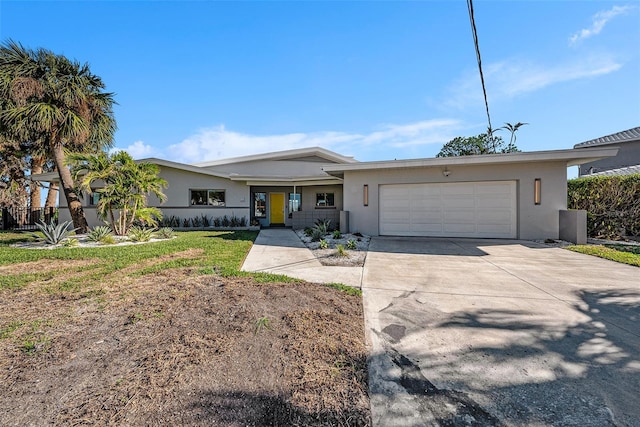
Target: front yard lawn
{"x": 619, "y": 253}
{"x": 171, "y": 333}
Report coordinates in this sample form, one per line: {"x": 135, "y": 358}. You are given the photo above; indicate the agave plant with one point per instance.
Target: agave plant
{"x": 54, "y": 233}
{"x": 165, "y": 233}
{"x": 139, "y": 234}
{"x": 99, "y": 233}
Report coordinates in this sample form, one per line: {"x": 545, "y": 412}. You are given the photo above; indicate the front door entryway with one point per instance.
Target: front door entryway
{"x": 276, "y": 208}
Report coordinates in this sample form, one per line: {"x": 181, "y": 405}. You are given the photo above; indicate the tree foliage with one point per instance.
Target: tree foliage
{"x": 612, "y": 204}
{"x": 13, "y": 179}
{"x": 57, "y": 105}
{"x": 475, "y": 145}
{"x": 123, "y": 187}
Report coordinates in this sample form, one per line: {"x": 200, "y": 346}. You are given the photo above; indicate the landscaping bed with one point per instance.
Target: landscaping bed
{"x": 156, "y": 341}
{"x": 331, "y": 256}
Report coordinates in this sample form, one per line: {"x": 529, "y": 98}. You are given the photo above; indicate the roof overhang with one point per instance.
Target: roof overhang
{"x": 283, "y": 155}
{"x": 54, "y": 177}
{"x": 288, "y": 181}
{"x": 571, "y": 157}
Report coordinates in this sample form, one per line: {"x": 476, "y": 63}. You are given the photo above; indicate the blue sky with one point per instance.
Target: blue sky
{"x": 201, "y": 80}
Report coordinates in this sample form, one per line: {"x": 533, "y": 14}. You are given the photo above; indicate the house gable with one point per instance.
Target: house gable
{"x": 627, "y": 141}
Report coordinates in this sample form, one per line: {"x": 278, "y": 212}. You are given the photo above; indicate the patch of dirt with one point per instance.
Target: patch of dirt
{"x": 43, "y": 266}
{"x": 184, "y": 349}
{"x": 331, "y": 256}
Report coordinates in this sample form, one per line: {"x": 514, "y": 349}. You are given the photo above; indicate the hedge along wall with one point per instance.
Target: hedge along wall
{"x": 612, "y": 204}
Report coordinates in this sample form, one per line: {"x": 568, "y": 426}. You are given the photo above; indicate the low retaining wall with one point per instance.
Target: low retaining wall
{"x": 573, "y": 226}
{"x": 302, "y": 219}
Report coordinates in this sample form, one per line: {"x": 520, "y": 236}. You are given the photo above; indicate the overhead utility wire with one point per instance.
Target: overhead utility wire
{"x": 475, "y": 42}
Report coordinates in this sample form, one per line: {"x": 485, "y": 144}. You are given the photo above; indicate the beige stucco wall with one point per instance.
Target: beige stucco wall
{"x": 178, "y": 204}
{"x": 534, "y": 221}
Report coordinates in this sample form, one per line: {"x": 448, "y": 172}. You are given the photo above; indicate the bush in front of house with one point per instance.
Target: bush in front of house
{"x": 612, "y": 204}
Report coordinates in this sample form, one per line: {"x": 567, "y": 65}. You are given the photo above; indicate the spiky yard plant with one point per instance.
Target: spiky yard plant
{"x": 341, "y": 251}
{"x": 165, "y": 233}
{"x": 98, "y": 233}
{"x": 324, "y": 244}
{"x": 323, "y": 225}
{"x": 70, "y": 242}
{"x": 139, "y": 234}
{"x": 351, "y": 244}
{"x": 53, "y": 233}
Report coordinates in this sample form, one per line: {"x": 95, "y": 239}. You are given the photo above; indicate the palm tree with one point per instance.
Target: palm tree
{"x": 61, "y": 100}
{"x": 123, "y": 198}
{"x": 513, "y": 129}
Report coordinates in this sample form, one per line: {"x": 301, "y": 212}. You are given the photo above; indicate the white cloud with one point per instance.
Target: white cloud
{"x": 599, "y": 20}
{"x": 514, "y": 77}
{"x": 139, "y": 150}
{"x": 219, "y": 142}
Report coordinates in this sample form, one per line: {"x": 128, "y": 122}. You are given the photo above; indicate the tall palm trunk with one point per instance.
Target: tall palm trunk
{"x": 66, "y": 181}
{"x": 52, "y": 196}
{"x": 37, "y": 165}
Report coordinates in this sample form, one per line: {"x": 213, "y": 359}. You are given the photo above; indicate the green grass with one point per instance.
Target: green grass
{"x": 618, "y": 253}
{"x": 221, "y": 251}
{"x": 346, "y": 289}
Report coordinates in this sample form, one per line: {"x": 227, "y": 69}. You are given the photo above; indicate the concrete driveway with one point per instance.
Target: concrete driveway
{"x": 489, "y": 332}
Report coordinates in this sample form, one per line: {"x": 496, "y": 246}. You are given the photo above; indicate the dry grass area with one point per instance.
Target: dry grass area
{"x": 176, "y": 347}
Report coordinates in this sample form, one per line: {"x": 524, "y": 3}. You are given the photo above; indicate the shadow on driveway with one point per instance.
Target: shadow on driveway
{"x": 526, "y": 371}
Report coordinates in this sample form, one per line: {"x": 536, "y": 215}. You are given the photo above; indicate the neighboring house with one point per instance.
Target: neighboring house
{"x": 626, "y": 162}
{"x": 515, "y": 195}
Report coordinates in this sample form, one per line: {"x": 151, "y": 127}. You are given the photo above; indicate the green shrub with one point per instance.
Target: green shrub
{"x": 612, "y": 204}
{"x": 351, "y": 244}
{"x": 139, "y": 234}
{"x": 98, "y": 233}
{"x": 316, "y": 235}
{"x": 337, "y": 234}
{"x": 308, "y": 231}
{"x": 70, "y": 242}
{"x": 323, "y": 225}
{"x": 165, "y": 233}
{"x": 54, "y": 234}
{"x": 341, "y": 251}
{"x": 109, "y": 239}
{"x": 172, "y": 221}
{"x": 324, "y": 244}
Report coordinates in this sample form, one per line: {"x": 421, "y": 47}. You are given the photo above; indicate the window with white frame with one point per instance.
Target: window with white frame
{"x": 260, "y": 205}
{"x": 325, "y": 200}
{"x": 295, "y": 202}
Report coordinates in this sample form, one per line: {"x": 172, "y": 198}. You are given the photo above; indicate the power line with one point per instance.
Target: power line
{"x": 477, "y": 46}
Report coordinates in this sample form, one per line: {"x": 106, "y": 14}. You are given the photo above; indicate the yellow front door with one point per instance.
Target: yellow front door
{"x": 276, "y": 209}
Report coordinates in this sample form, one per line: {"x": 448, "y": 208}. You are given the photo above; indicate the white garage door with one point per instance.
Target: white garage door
{"x": 466, "y": 209}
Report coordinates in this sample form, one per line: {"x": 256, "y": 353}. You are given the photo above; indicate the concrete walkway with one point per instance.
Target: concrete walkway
{"x": 280, "y": 251}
